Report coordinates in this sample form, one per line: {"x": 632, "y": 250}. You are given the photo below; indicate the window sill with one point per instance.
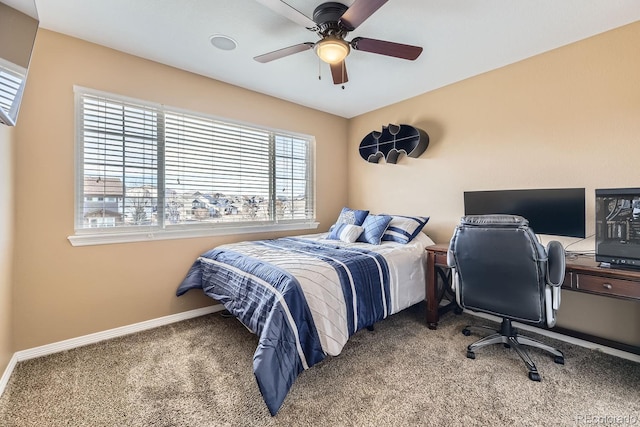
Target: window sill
{"x": 104, "y": 238}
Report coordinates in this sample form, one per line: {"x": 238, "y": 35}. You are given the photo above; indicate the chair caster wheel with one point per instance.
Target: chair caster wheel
{"x": 534, "y": 376}
{"x": 471, "y": 354}
{"x": 559, "y": 360}
{"x": 466, "y": 332}
{"x": 457, "y": 310}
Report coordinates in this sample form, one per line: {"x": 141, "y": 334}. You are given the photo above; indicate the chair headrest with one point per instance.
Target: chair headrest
{"x": 500, "y": 220}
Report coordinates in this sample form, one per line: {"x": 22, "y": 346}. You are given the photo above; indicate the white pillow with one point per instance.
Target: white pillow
{"x": 403, "y": 229}
{"x": 347, "y": 233}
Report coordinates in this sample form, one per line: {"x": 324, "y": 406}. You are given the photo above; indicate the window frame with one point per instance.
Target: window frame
{"x": 84, "y": 236}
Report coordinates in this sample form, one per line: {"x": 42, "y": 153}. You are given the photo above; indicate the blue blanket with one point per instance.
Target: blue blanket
{"x": 270, "y": 301}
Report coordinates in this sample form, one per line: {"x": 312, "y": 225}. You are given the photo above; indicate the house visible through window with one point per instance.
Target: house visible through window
{"x": 144, "y": 166}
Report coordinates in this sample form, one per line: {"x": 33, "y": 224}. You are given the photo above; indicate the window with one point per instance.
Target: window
{"x": 11, "y": 86}
{"x": 161, "y": 172}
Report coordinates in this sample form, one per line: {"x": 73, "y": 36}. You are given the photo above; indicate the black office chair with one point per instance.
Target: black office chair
{"x": 500, "y": 268}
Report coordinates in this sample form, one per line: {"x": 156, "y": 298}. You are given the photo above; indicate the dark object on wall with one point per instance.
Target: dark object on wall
{"x": 17, "y": 35}
{"x": 392, "y": 141}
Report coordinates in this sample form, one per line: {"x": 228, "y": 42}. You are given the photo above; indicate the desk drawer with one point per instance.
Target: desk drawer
{"x": 607, "y": 286}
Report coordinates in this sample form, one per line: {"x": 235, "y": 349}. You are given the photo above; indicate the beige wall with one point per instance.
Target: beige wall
{"x": 6, "y": 244}
{"x": 567, "y": 118}
{"x": 62, "y": 291}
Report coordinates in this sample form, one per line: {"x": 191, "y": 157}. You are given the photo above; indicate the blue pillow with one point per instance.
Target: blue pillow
{"x": 348, "y": 233}
{"x": 403, "y": 229}
{"x": 350, "y": 216}
{"x": 374, "y": 227}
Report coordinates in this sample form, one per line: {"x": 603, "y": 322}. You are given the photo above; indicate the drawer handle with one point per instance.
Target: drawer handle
{"x": 607, "y": 285}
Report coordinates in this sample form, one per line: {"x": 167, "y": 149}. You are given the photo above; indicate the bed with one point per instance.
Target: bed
{"x": 305, "y": 296}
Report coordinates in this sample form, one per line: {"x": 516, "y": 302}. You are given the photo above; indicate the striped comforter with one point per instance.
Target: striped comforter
{"x": 303, "y": 298}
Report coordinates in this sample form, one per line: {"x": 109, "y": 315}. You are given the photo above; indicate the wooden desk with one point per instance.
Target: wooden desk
{"x": 436, "y": 258}
{"x": 582, "y": 275}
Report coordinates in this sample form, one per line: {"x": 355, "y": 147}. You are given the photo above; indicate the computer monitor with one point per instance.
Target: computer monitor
{"x": 618, "y": 226}
{"x": 556, "y": 212}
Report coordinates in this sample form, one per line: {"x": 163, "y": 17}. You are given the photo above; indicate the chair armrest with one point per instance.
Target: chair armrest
{"x": 451, "y": 263}
{"x": 451, "y": 257}
{"x": 556, "y": 263}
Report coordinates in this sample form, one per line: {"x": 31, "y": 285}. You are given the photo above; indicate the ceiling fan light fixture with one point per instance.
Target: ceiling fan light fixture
{"x": 332, "y": 50}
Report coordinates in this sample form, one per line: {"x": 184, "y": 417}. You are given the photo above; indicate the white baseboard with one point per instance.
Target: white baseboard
{"x": 72, "y": 343}
{"x": 565, "y": 338}
{"x": 69, "y": 344}
{"x": 7, "y": 373}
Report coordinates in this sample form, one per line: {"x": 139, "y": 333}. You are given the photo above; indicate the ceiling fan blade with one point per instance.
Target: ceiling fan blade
{"x": 339, "y": 73}
{"x": 359, "y": 11}
{"x": 289, "y": 12}
{"x": 281, "y": 53}
{"x": 398, "y": 50}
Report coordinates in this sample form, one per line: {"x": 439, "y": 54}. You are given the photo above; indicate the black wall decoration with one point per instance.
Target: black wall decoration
{"x": 393, "y": 140}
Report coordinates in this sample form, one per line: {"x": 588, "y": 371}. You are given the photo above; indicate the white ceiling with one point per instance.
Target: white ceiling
{"x": 461, "y": 38}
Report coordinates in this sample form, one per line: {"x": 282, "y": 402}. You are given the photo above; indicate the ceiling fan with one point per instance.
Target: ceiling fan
{"x": 332, "y": 21}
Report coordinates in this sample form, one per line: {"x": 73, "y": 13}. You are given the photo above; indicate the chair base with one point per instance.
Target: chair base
{"x": 508, "y": 336}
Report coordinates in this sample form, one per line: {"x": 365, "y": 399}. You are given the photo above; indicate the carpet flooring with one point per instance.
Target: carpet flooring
{"x": 199, "y": 373}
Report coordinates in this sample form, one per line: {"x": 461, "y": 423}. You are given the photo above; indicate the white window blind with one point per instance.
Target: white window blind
{"x": 149, "y": 167}
{"x": 9, "y": 85}
{"x": 12, "y": 78}
{"x": 222, "y": 171}
{"x": 292, "y": 178}
{"x": 120, "y": 164}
